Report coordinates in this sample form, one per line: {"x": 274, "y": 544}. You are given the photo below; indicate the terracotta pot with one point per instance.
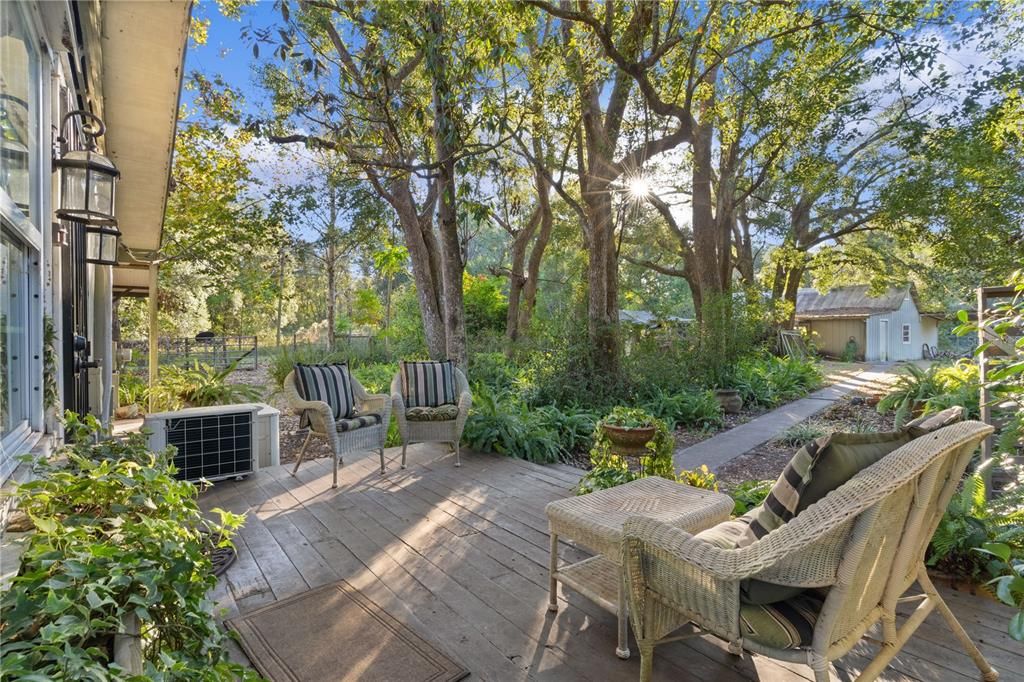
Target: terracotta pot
{"x": 730, "y": 400}
{"x": 629, "y": 440}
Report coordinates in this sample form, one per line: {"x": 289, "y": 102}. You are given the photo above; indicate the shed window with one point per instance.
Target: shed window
{"x": 906, "y": 333}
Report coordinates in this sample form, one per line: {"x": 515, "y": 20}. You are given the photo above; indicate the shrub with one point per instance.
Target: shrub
{"x": 485, "y": 304}
{"x": 115, "y": 535}
{"x": 768, "y": 381}
{"x": 132, "y": 389}
{"x": 690, "y": 409}
{"x": 493, "y": 369}
{"x": 970, "y": 521}
{"x": 803, "y": 433}
{"x": 930, "y": 390}
{"x": 376, "y": 378}
{"x": 698, "y": 478}
{"x": 200, "y": 385}
{"x": 749, "y": 494}
{"x": 507, "y": 428}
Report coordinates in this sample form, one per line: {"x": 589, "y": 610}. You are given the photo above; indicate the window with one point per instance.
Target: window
{"x": 906, "y": 333}
{"x": 23, "y": 177}
{"x": 13, "y": 335}
{"x": 20, "y": 82}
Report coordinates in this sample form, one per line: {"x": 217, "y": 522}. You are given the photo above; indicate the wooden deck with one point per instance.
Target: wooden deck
{"x": 460, "y": 555}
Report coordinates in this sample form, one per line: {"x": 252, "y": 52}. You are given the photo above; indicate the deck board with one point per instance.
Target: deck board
{"x": 460, "y": 555}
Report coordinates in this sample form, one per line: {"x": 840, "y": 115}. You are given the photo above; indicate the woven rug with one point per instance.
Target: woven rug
{"x": 335, "y": 633}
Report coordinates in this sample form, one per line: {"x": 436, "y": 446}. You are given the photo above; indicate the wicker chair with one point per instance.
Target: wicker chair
{"x": 449, "y": 431}
{"x": 865, "y": 542}
{"x": 322, "y": 424}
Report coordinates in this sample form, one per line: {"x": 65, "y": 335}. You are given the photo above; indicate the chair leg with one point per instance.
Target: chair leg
{"x": 334, "y": 484}
{"x": 552, "y": 570}
{"x": 622, "y": 650}
{"x": 302, "y": 452}
{"x": 646, "y": 662}
{"x": 382, "y": 469}
{"x": 988, "y": 673}
{"x": 458, "y": 462}
{"x": 404, "y": 445}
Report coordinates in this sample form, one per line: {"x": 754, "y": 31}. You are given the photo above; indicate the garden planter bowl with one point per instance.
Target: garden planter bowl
{"x": 629, "y": 440}
{"x": 730, "y": 400}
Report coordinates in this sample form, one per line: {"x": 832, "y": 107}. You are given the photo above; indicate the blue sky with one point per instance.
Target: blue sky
{"x": 225, "y": 53}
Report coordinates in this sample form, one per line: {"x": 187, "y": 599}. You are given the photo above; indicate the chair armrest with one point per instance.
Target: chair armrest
{"x": 465, "y": 402}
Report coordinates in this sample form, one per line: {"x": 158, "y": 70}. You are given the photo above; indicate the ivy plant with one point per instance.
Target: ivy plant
{"x": 116, "y": 535}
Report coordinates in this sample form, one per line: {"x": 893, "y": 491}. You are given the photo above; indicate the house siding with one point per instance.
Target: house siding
{"x": 906, "y": 314}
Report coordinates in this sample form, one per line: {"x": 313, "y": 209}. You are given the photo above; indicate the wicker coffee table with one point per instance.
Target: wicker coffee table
{"x": 595, "y": 521}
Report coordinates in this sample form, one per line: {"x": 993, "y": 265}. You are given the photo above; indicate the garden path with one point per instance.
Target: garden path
{"x": 846, "y": 378}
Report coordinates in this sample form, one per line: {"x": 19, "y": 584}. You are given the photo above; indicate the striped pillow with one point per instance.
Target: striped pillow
{"x": 817, "y": 469}
{"x": 428, "y": 384}
{"x": 327, "y": 383}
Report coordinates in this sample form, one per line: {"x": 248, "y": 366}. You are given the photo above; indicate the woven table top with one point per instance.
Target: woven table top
{"x": 595, "y": 520}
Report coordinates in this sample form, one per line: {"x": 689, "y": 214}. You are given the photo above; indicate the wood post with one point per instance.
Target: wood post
{"x": 154, "y": 352}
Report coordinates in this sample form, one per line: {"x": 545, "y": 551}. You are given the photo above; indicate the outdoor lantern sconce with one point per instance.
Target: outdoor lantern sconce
{"x": 101, "y": 244}
{"x": 87, "y": 178}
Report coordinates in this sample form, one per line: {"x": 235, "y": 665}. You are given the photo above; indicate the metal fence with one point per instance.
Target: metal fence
{"x": 216, "y": 351}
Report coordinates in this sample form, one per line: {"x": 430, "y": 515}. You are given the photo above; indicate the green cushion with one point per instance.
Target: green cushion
{"x": 358, "y": 422}
{"x": 786, "y": 624}
{"x": 842, "y": 456}
{"x": 441, "y": 413}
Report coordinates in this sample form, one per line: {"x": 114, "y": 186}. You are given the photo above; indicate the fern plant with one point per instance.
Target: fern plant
{"x": 970, "y": 522}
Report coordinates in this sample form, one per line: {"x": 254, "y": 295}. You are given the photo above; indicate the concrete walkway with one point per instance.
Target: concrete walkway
{"x": 718, "y": 450}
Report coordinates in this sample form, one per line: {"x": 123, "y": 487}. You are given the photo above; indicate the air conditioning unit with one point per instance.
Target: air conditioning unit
{"x": 224, "y": 441}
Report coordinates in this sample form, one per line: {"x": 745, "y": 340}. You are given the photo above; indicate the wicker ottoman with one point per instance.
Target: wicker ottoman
{"x": 595, "y": 521}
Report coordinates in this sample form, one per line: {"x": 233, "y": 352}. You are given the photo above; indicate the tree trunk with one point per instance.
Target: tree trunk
{"x": 280, "y": 296}
{"x": 601, "y": 272}
{"x": 447, "y": 144}
{"x": 706, "y": 237}
{"x": 517, "y": 275}
{"x": 529, "y": 294}
{"x": 330, "y": 263}
{"x": 423, "y": 253}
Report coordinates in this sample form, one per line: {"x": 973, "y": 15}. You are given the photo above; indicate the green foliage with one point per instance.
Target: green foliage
{"x": 51, "y": 399}
{"x": 749, "y": 494}
{"x": 1009, "y": 583}
{"x": 686, "y": 408}
{"x": 923, "y": 391}
{"x": 200, "y": 385}
{"x": 803, "y": 433}
{"x": 367, "y": 310}
{"x": 376, "y": 377}
{"x": 768, "y": 381}
{"x": 970, "y": 521}
{"x": 609, "y": 469}
{"x": 486, "y": 306}
{"x": 132, "y": 389}
{"x": 628, "y": 418}
{"x": 731, "y": 326}
{"x": 543, "y": 435}
{"x": 115, "y": 535}
{"x": 493, "y": 369}
{"x": 698, "y": 478}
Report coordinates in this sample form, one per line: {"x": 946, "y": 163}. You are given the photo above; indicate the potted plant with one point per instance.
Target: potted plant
{"x": 629, "y": 429}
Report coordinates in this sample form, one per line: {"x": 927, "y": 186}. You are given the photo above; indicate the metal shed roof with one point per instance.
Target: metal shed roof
{"x": 849, "y": 301}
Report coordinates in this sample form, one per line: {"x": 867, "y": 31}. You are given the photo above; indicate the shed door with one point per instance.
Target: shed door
{"x": 883, "y": 340}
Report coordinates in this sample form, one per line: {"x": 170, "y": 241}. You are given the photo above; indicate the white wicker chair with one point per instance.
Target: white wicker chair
{"x": 321, "y": 423}
{"x": 449, "y": 431}
{"x": 865, "y": 542}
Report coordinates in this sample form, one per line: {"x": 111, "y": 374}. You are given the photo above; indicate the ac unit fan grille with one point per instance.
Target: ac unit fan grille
{"x": 212, "y": 446}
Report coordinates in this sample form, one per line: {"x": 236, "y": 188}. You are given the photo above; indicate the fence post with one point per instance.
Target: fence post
{"x": 256, "y": 352}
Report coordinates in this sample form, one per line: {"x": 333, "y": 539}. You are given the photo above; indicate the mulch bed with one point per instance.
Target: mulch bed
{"x": 855, "y": 412}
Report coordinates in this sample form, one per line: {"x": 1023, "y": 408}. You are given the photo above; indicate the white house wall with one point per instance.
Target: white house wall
{"x": 907, "y": 313}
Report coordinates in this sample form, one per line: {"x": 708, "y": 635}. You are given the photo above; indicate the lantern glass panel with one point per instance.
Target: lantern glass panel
{"x": 75, "y": 182}
{"x": 102, "y": 200}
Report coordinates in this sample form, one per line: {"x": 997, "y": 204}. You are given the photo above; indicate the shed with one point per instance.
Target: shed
{"x": 887, "y": 327}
